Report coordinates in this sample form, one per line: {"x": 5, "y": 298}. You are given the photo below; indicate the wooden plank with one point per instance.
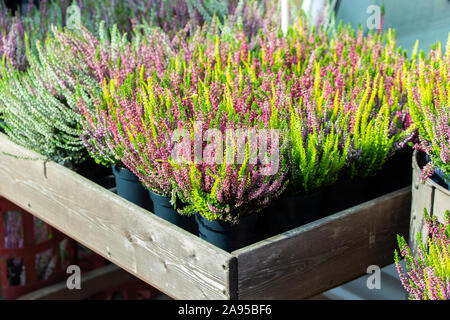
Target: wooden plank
{"x": 172, "y": 260}
{"x": 421, "y": 198}
{"x": 326, "y": 253}
{"x": 92, "y": 282}
{"x": 427, "y": 195}
{"x": 441, "y": 203}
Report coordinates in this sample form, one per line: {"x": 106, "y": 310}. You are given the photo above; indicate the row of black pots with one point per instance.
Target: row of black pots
{"x": 129, "y": 187}
{"x": 285, "y": 213}
{"x": 224, "y": 235}
{"x": 288, "y": 211}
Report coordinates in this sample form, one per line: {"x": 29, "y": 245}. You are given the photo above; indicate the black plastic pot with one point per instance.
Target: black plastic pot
{"x": 346, "y": 193}
{"x": 165, "y": 210}
{"x": 130, "y": 188}
{"x": 288, "y": 212}
{"x": 395, "y": 174}
{"x": 226, "y": 235}
{"x": 441, "y": 176}
{"x": 295, "y": 211}
{"x": 438, "y": 176}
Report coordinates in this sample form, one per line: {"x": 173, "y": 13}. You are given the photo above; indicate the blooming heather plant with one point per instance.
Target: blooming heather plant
{"x": 36, "y": 119}
{"x": 70, "y": 66}
{"x": 320, "y": 146}
{"x": 11, "y": 31}
{"x": 427, "y": 276}
{"x": 201, "y": 86}
{"x": 226, "y": 180}
{"x": 242, "y": 167}
{"x": 364, "y": 77}
{"x": 429, "y": 105}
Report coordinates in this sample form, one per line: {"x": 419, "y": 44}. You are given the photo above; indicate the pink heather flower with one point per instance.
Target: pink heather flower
{"x": 427, "y": 277}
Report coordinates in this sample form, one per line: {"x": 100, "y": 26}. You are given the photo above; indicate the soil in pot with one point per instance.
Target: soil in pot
{"x": 130, "y": 188}
{"x": 165, "y": 210}
{"x": 226, "y": 235}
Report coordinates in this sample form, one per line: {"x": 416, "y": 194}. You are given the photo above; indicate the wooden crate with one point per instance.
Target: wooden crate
{"x": 297, "y": 264}
{"x": 428, "y": 195}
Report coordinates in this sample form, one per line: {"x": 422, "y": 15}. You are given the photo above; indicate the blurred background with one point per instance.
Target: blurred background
{"x": 428, "y": 21}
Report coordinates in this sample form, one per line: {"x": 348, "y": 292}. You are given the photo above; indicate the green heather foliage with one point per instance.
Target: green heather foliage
{"x": 318, "y": 157}
{"x": 35, "y": 109}
{"x": 36, "y": 119}
{"x": 429, "y": 106}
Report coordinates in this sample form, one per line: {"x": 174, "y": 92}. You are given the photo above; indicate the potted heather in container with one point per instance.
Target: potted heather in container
{"x": 429, "y": 106}
{"x": 137, "y": 129}
{"x": 231, "y": 161}
{"x": 358, "y": 79}
{"x": 346, "y": 118}
{"x": 197, "y": 97}
{"x": 427, "y": 276}
{"x": 152, "y": 52}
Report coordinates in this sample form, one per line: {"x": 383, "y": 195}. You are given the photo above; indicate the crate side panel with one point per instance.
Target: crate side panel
{"x": 161, "y": 254}
{"x": 326, "y": 253}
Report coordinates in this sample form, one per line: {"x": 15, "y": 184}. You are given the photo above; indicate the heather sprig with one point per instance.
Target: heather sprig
{"x": 427, "y": 276}
{"x": 429, "y": 105}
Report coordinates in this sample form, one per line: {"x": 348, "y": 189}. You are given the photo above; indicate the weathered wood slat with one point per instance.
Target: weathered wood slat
{"x": 177, "y": 263}
{"x": 427, "y": 195}
{"x": 93, "y": 282}
{"x": 441, "y": 203}
{"x": 421, "y": 198}
{"x": 323, "y": 254}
